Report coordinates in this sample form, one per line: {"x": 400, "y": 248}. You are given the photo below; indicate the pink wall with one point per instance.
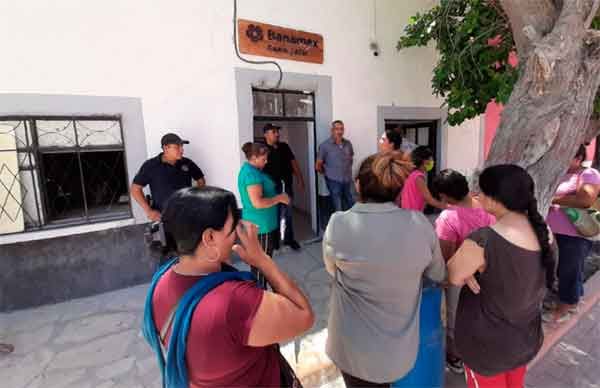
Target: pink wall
{"x": 492, "y": 120}
{"x": 591, "y": 150}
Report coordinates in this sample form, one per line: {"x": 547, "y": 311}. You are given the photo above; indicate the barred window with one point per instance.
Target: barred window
{"x": 57, "y": 171}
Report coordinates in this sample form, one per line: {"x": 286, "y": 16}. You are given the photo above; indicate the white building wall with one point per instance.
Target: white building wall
{"x": 177, "y": 56}
{"x": 464, "y": 146}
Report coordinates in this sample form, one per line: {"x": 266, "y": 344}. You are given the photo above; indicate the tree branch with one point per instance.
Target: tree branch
{"x": 592, "y": 14}
{"x": 592, "y": 41}
{"x": 592, "y": 36}
{"x": 527, "y": 17}
{"x": 558, "y": 4}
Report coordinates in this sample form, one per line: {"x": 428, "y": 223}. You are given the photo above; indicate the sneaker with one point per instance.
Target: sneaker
{"x": 293, "y": 244}
{"x": 455, "y": 365}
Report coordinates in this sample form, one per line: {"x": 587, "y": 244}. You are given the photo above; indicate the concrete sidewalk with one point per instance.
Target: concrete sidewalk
{"x": 571, "y": 353}
{"x": 96, "y": 341}
{"x": 575, "y": 360}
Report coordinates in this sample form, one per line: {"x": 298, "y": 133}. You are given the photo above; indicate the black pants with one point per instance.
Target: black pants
{"x": 267, "y": 242}
{"x": 354, "y": 382}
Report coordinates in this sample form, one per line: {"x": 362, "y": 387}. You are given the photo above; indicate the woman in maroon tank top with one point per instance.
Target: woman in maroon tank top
{"x": 235, "y": 328}
{"x": 507, "y": 268}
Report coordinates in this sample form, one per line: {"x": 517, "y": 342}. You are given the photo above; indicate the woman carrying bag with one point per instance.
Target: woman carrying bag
{"x": 578, "y": 189}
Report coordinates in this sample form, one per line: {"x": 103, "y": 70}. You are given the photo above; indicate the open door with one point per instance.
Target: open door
{"x": 294, "y": 112}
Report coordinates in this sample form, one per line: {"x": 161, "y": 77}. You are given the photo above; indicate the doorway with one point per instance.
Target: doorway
{"x": 417, "y": 133}
{"x": 294, "y": 112}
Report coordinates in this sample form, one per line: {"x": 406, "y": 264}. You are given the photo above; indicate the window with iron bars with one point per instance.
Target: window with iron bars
{"x": 59, "y": 171}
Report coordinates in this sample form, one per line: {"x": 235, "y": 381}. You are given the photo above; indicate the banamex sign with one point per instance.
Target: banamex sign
{"x": 277, "y": 42}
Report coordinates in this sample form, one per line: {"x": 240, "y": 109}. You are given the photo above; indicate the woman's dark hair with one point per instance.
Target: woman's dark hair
{"x": 381, "y": 176}
{"x": 514, "y": 188}
{"x": 420, "y": 155}
{"x": 394, "y": 137}
{"x": 254, "y": 149}
{"x": 581, "y": 153}
{"x": 451, "y": 183}
{"x": 191, "y": 211}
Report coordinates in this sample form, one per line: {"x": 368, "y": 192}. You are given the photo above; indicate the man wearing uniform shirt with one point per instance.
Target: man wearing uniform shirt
{"x": 282, "y": 167}
{"x": 165, "y": 173}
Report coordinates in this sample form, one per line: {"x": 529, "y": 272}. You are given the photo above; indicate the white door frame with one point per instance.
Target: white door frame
{"x": 320, "y": 85}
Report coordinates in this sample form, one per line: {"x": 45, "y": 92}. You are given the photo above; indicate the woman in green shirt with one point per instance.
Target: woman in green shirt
{"x": 259, "y": 197}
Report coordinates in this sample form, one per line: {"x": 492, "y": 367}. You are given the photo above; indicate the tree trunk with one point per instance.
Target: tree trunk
{"x": 548, "y": 114}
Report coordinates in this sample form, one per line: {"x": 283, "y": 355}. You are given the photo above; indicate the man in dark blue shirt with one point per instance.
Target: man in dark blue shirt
{"x": 165, "y": 173}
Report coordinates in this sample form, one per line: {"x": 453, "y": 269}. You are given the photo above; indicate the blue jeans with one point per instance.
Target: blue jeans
{"x": 572, "y": 252}
{"x": 341, "y": 194}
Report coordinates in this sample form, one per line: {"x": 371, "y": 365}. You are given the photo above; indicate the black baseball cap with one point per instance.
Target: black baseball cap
{"x": 171, "y": 138}
{"x": 269, "y": 127}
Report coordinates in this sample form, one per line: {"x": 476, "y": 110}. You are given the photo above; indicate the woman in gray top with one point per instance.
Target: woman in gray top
{"x": 377, "y": 255}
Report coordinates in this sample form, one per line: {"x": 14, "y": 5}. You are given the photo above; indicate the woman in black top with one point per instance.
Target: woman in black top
{"x": 506, "y": 267}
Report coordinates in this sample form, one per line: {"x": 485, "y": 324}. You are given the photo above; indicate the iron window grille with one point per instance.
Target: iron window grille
{"x": 68, "y": 171}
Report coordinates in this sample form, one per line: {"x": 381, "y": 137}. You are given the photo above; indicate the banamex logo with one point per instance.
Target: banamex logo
{"x": 254, "y": 33}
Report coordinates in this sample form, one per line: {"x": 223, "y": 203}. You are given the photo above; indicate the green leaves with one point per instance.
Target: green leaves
{"x": 474, "y": 41}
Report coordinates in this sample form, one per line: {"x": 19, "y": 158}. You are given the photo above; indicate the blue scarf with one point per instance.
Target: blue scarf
{"x": 174, "y": 369}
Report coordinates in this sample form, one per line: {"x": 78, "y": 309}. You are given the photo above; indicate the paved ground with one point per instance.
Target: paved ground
{"x": 575, "y": 360}
{"x": 96, "y": 341}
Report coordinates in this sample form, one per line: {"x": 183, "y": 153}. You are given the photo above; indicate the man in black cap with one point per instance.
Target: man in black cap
{"x": 282, "y": 166}
{"x": 165, "y": 173}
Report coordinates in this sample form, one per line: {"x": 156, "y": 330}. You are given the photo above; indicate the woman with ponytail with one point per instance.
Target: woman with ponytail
{"x": 463, "y": 216}
{"x": 507, "y": 267}
{"x": 377, "y": 255}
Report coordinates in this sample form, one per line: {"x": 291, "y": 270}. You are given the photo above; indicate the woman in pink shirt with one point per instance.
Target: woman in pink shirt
{"x": 415, "y": 193}
{"x": 462, "y": 217}
{"x": 578, "y": 189}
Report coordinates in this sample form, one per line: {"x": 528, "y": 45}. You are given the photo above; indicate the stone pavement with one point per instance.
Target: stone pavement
{"x": 575, "y": 360}
{"x": 96, "y": 341}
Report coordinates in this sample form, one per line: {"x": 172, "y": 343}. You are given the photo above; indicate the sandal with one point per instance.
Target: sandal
{"x": 556, "y": 317}
{"x": 6, "y": 348}
{"x": 551, "y": 301}
{"x": 550, "y": 305}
